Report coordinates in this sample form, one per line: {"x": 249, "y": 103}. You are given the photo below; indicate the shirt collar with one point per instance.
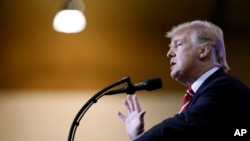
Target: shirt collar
{"x": 195, "y": 86}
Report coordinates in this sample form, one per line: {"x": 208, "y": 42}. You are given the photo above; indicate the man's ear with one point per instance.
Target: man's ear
{"x": 205, "y": 51}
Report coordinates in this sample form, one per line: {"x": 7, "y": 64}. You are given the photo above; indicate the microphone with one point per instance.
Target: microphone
{"x": 130, "y": 88}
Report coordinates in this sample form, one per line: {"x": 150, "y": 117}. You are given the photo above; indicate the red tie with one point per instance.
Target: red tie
{"x": 187, "y": 97}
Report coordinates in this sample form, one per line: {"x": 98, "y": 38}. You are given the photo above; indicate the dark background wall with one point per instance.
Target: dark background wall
{"x": 122, "y": 38}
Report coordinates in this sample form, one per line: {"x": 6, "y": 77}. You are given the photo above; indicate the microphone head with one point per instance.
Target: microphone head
{"x": 152, "y": 84}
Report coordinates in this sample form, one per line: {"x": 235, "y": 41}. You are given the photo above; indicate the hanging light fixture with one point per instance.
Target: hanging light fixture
{"x": 70, "y": 19}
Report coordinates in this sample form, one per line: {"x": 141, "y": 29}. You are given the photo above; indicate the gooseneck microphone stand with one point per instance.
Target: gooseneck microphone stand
{"x": 87, "y": 105}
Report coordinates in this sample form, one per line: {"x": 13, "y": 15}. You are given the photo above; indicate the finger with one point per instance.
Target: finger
{"x": 127, "y": 106}
{"x": 121, "y": 116}
{"x": 130, "y": 103}
{"x": 136, "y": 104}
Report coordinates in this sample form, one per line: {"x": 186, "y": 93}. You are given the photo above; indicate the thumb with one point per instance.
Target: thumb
{"x": 141, "y": 115}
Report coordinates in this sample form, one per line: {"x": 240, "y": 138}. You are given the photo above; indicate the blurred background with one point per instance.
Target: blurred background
{"x": 46, "y": 76}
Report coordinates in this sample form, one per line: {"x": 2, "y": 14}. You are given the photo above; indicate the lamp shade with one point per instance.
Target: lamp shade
{"x": 69, "y": 21}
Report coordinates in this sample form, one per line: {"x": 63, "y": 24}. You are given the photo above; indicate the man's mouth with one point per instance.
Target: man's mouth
{"x": 172, "y": 64}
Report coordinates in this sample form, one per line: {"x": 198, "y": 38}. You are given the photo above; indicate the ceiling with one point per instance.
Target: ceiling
{"x": 122, "y": 38}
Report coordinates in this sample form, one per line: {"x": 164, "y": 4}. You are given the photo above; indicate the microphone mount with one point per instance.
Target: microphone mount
{"x": 129, "y": 88}
{"x": 87, "y": 105}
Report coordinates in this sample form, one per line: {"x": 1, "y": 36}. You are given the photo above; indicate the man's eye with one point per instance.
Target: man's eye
{"x": 179, "y": 44}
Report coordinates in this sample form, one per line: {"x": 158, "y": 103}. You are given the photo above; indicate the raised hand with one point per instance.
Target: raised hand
{"x": 134, "y": 121}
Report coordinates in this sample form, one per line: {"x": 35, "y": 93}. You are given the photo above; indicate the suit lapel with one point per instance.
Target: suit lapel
{"x": 206, "y": 84}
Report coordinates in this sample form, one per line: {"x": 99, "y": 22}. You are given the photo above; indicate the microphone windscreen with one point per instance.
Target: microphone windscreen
{"x": 152, "y": 84}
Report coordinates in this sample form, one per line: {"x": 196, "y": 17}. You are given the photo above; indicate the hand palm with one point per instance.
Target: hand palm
{"x": 135, "y": 123}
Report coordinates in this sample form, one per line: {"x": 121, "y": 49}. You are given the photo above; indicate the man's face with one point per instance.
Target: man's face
{"x": 184, "y": 57}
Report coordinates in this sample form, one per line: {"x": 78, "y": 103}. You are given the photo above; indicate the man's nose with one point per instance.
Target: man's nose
{"x": 170, "y": 53}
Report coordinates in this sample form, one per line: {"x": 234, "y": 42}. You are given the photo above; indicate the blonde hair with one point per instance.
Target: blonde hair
{"x": 205, "y": 33}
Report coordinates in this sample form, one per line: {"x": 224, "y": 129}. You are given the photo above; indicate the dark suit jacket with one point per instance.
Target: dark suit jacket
{"x": 219, "y": 109}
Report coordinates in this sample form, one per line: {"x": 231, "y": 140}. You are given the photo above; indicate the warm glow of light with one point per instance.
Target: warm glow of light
{"x": 69, "y": 21}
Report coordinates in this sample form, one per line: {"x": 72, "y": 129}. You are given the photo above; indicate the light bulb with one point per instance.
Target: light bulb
{"x": 69, "y": 21}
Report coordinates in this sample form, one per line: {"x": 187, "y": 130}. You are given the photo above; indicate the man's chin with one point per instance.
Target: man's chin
{"x": 173, "y": 74}
{"x": 174, "y": 77}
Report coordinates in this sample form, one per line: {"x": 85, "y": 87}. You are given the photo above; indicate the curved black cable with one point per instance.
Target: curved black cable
{"x": 87, "y": 105}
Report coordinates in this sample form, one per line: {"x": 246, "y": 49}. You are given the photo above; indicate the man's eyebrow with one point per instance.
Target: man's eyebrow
{"x": 176, "y": 40}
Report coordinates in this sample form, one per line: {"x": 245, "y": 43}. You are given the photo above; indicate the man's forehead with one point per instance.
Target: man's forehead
{"x": 179, "y": 36}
